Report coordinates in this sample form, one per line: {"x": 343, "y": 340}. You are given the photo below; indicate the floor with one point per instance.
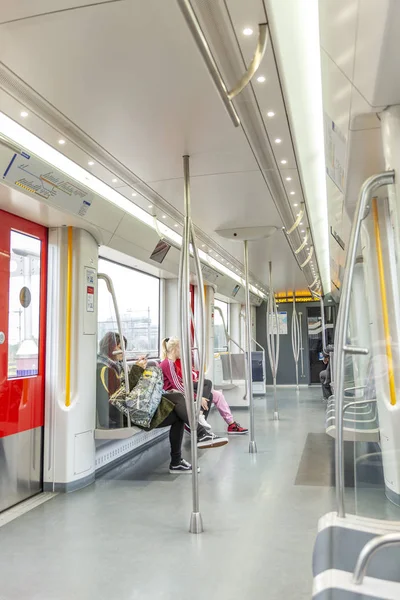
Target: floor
{"x": 126, "y": 537}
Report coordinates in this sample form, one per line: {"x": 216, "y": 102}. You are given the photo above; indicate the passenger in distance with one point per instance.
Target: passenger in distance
{"x": 325, "y": 377}
{"x": 172, "y": 370}
{"x": 170, "y": 412}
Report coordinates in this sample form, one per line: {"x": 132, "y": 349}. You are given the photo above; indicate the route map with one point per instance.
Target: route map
{"x": 35, "y": 177}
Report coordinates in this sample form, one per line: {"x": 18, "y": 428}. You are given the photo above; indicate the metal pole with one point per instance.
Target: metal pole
{"x": 212, "y": 67}
{"x": 377, "y": 543}
{"x": 362, "y": 210}
{"x": 295, "y": 339}
{"x": 196, "y": 523}
{"x": 252, "y": 443}
{"x": 276, "y": 352}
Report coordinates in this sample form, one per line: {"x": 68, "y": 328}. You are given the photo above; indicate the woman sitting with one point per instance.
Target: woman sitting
{"x": 172, "y": 371}
{"x": 171, "y": 410}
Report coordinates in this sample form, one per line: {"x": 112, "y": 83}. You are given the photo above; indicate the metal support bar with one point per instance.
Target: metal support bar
{"x": 202, "y": 346}
{"x": 272, "y": 347}
{"x": 252, "y": 443}
{"x": 255, "y": 62}
{"x": 355, "y": 350}
{"x": 301, "y": 344}
{"x": 322, "y": 308}
{"x": 228, "y": 340}
{"x": 205, "y": 51}
{"x": 369, "y": 186}
{"x": 110, "y": 287}
{"x": 196, "y": 523}
{"x": 295, "y": 330}
{"x": 374, "y": 545}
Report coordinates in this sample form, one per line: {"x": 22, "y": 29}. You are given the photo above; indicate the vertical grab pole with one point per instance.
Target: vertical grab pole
{"x": 295, "y": 339}
{"x": 196, "y": 523}
{"x": 301, "y": 343}
{"x": 252, "y": 443}
{"x": 273, "y": 350}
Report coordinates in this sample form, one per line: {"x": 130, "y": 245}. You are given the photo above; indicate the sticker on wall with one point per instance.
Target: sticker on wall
{"x": 282, "y": 322}
{"x": 25, "y": 297}
{"x": 90, "y": 279}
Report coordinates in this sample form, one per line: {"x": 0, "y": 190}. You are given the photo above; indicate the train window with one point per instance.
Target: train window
{"x": 220, "y": 342}
{"x": 138, "y": 298}
{"x": 24, "y": 306}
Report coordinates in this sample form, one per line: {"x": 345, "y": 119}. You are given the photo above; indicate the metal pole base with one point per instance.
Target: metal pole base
{"x": 276, "y": 415}
{"x": 297, "y": 388}
{"x": 252, "y": 447}
{"x": 196, "y": 523}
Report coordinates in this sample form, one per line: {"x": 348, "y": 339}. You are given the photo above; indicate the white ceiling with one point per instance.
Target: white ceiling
{"x": 130, "y": 76}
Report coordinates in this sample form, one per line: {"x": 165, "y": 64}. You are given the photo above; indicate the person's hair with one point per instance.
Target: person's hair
{"x": 168, "y": 345}
{"x": 108, "y": 343}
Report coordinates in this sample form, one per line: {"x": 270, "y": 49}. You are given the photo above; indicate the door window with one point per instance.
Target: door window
{"x": 24, "y": 306}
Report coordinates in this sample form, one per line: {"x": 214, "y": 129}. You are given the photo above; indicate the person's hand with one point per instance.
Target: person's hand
{"x": 204, "y": 403}
{"x": 142, "y": 362}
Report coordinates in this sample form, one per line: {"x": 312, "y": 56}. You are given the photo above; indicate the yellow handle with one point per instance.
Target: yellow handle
{"x": 68, "y": 321}
{"x": 389, "y": 354}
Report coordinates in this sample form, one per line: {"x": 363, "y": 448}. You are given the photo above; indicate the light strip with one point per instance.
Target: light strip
{"x": 21, "y": 136}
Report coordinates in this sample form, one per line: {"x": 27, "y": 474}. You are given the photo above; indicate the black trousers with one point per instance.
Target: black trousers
{"x": 177, "y": 419}
{"x": 207, "y": 387}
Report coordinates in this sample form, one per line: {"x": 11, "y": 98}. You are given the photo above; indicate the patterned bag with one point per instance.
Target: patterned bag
{"x": 142, "y": 401}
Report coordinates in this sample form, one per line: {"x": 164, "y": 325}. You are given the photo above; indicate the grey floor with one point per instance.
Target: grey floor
{"x": 126, "y": 537}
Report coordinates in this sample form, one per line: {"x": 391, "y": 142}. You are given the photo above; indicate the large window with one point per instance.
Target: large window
{"x": 138, "y": 298}
{"x": 220, "y": 342}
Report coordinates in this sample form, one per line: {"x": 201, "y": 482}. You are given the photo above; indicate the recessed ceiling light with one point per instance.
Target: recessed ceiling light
{"x": 295, "y": 204}
{"x": 278, "y": 141}
{"x": 24, "y": 114}
{"x": 247, "y": 31}
{"x": 288, "y": 179}
{"x": 90, "y": 163}
{"x": 203, "y": 245}
{"x": 176, "y": 225}
{"x": 283, "y": 162}
{"x": 301, "y": 223}
{"x": 270, "y": 113}
{"x": 134, "y": 194}
{"x": 164, "y": 216}
{"x": 150, "y": 206}
{"x": 61, "y": 142}
{"x": 261, "y": 79}
{"x": 216, "y": 256}
{"x": 292, "y": 193}
{"x": 115, "y": 180}
{"x": 302, "y": 231}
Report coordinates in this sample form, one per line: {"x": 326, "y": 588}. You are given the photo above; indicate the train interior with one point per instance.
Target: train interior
{"x": 194, "y": 193}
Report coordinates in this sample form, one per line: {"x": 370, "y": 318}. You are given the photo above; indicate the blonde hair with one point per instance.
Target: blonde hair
{"x": 168, "y": 346}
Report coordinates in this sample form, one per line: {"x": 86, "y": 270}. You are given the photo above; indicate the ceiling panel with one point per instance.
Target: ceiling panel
{"x": 24, "y": 9}
{"x": 140, "y": 87}
{"x": 130, "y": 76}
{"x": 338, "y": 30}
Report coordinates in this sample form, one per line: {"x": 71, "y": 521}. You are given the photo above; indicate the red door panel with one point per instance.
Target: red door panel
{"x": 23, "y": 275}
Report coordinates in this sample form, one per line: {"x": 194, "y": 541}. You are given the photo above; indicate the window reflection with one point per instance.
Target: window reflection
{"x": 138, "y": 298}
{"x": 220, "y": 342}
{"x": 24, "y": 303}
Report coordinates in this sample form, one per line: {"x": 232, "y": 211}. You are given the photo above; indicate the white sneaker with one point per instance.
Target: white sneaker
{"x": 203, "y": 422}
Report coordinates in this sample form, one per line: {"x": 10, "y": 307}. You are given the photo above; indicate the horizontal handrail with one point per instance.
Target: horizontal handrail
{"x": 370, "y": 548}
{"x": 205, "y": 51}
